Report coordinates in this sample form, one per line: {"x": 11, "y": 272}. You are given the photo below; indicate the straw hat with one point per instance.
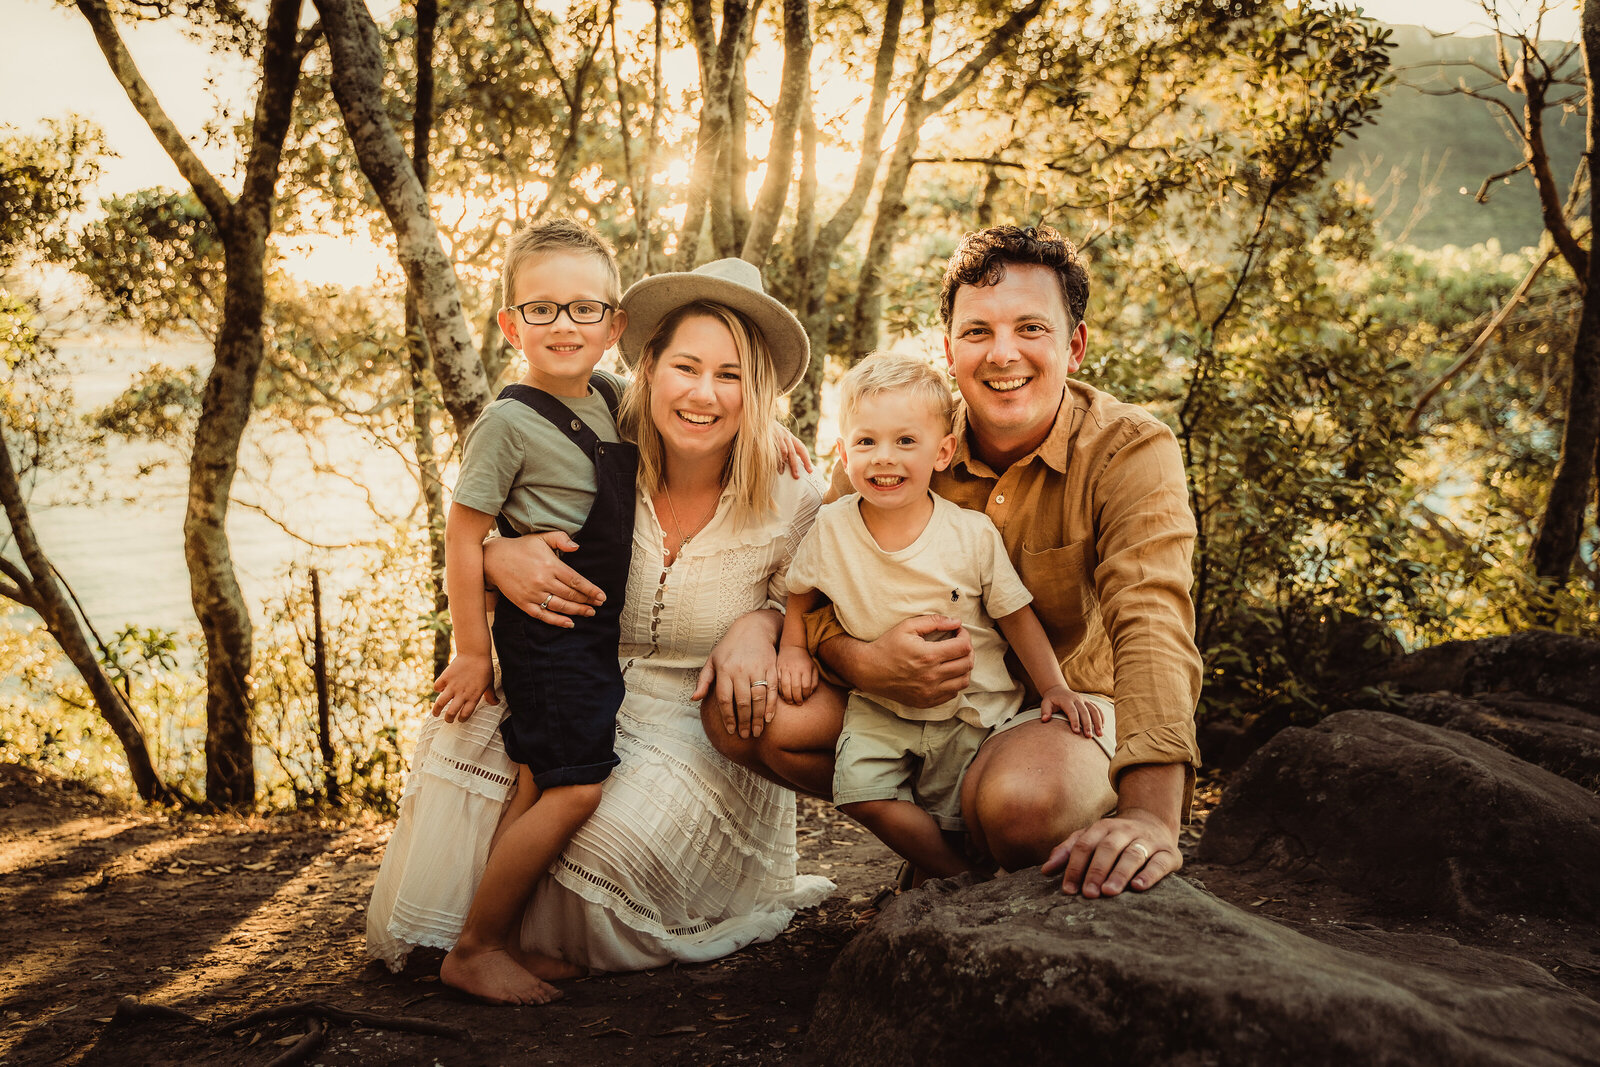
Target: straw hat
{"x": 732, "y": 283}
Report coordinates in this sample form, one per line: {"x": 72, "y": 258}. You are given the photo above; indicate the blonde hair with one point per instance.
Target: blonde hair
{"x": 752, "y": 463}
{"x": 558, "y": 235}
{"x": 880, "y": 374}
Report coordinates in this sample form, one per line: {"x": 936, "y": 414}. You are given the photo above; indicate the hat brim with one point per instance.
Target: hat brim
{"x": 652, "y": 299}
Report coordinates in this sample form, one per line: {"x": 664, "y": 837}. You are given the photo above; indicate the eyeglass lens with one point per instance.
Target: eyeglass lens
{"x": 544, "y": 312}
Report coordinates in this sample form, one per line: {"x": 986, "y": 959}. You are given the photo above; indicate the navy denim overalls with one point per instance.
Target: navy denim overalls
{"x": 563, "y": 686}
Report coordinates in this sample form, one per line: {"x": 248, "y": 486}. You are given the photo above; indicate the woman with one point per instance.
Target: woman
{"x": 688, "y": 856}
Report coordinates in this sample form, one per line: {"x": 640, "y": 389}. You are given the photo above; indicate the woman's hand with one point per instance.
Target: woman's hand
{"x": 528, "y": 571}
{"x": 1084, "y": 716}
{"x": 792, "y": 453}
{"x": 742, "y": 670}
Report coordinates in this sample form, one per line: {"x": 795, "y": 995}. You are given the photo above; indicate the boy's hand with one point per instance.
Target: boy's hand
{"x": 468, "y": 680}
{"x": 797, "y": 674}
{"x": 1082, "y": 715}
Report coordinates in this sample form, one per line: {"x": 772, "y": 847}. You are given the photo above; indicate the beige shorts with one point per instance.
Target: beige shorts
{"x": 1108, "y": 736}
{"x": 881, "y": 756}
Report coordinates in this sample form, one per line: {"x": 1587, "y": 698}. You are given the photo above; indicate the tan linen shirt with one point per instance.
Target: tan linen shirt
{"x": 1097, "y": 521}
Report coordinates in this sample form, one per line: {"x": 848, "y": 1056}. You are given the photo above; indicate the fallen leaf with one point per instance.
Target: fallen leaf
{"x": 724, "y": 1016}
{"x": 684, "y": 1029}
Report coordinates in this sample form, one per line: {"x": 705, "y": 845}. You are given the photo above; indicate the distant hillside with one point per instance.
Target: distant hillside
{"x": 1452, "y": 143}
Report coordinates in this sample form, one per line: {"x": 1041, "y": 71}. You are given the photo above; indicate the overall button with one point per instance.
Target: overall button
{"x": 576, "y": 425}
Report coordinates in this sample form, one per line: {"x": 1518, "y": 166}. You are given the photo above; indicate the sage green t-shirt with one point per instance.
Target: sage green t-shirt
{"x": 517, "y": 463}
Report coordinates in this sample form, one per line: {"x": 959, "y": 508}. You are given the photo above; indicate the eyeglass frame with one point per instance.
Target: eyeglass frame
{"x": 560, "y": 308}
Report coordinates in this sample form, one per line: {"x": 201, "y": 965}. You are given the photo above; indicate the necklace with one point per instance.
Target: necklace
{"x": 683, "y": 538}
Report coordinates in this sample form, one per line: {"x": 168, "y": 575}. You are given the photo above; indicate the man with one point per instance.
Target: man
{"x": 1089, "y": 497}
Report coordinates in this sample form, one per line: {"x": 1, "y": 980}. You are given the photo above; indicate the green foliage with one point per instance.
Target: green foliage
{"x": 379, "y": 676}
{"x": 154, "y": 258}
{"x": 162, "y": 404}
{"x": 48, "y": 718}
{"x": 42, "y": 180}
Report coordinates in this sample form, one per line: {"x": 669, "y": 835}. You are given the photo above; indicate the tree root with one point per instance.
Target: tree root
{"x": 323, "y": 1010}
{"x": 316, "y": 1033}
{"x": 318, "y": 1015}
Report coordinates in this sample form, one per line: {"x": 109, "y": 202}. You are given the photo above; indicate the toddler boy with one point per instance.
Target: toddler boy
{"x": 893, "y": 550}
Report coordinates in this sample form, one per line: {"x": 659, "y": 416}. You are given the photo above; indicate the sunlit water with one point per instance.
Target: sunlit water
{"x": 120, "y": 544}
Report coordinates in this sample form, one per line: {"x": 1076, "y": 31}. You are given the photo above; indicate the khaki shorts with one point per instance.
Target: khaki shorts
{"x": 881, "y": 756}
{"x": 1107, "y": 739}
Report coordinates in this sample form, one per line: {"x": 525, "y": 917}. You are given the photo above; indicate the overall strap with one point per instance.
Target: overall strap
{"x": 561, "y": 417}
{"x": 607, "y": 390}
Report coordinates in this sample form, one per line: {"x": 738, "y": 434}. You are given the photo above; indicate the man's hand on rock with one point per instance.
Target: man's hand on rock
{"x": 1132, "y": 848}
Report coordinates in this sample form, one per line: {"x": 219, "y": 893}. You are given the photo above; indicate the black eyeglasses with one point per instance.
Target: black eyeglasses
{"x": 544, "y": 312}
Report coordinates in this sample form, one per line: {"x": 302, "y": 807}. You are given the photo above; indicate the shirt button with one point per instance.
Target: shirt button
{"x": 1001, "y": 499}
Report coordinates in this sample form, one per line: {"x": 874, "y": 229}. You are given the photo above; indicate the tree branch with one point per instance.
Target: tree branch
{"x": 206, "y": 187}
{"x": 998, "y": 40}
{"x": 1475, "y": 349}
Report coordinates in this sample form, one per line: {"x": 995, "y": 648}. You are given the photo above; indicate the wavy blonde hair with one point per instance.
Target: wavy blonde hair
{"x": 752, "y": 462}
{"x": 894, "y": 373}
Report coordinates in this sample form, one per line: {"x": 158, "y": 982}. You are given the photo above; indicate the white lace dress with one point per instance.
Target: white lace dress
{"x": 688, "y": 857}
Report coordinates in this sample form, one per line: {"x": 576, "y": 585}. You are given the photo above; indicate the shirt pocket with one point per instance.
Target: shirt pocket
{"x": 1055, "y": 577}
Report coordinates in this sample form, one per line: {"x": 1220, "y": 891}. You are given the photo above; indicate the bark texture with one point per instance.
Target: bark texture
{"x": 357, "y": 78}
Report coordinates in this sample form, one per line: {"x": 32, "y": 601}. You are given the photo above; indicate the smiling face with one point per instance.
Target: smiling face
{"x": 1011, "y": 346}
{"x": 696, "y": 392}
{"x": 894, "y": 442}
{"x": 561, "y": 354}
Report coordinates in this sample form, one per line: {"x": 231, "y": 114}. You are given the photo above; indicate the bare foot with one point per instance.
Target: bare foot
{"x": 494, "y": 976}
{"x": 547, "y": 967}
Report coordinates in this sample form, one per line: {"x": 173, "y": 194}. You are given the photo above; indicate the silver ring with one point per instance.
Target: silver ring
{"x": 546, "y": 605}
{"x": 1144, "y": 853}
{"x": 754, "y": 684}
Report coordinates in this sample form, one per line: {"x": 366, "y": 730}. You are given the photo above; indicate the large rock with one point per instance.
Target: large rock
{"x": 1014, "y": 971}
{"x": 1421, "y": 819}
{"x": 1560, "y": 738}
{"x": 1554, "y": 668}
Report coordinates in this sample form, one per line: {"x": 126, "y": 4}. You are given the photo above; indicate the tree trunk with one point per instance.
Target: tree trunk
{"x": 866, "y": 323}
{"x": 319, "y": 673}
{"x": 717, "y": 57}
{"x": 418, "y": 359}
{"x": 225, "y": 402}
{"x": 792, "y": 97}
{"x": 816, "y": 246}
{"x": 357, "y": 78}
{"x": 1561, "y": 525}
{"x": 38, "y": 589}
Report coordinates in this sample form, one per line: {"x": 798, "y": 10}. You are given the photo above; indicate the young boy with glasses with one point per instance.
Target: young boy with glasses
{"x": 543, "y": 458}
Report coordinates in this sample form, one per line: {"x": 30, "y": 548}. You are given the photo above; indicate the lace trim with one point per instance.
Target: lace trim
{"x": 472, "y": 777}
{"x": 640, "y": 911}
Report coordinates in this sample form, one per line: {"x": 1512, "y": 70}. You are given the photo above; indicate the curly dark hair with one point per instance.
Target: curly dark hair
{"x": 982, "y": 256}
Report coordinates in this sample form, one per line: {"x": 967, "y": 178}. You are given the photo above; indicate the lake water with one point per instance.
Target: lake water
{"x": 120, "y": 547}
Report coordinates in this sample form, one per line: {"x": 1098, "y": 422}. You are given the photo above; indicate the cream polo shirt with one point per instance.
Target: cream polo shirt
{"x": 1097, "y": 521}
{"x": 957, "y": 566}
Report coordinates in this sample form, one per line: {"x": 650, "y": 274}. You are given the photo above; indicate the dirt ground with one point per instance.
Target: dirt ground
{"x": 221, "y": 917}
